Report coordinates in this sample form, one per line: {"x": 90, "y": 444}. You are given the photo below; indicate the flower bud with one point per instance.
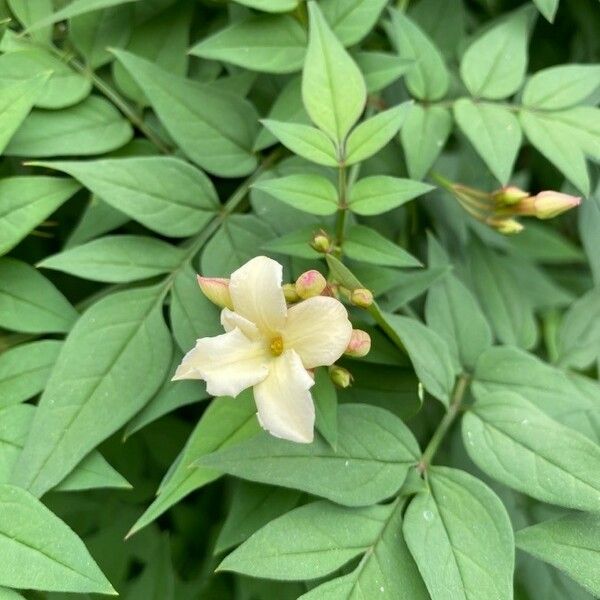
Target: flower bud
{"x": 361, "y": 297}
{"x": 216, "y": 289}
{"x": 340, "y": 376}
{"x": 509, "y": 195}
{"x": 550, "y": 204}
{"x": 321, "y": 241}
{"x": 508, "y": 226}
{"x": 309, "y": 284}
{"x": 359, "y": 344}
{"x": 289, "y": 291}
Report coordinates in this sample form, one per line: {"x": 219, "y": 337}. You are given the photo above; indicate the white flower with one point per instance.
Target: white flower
{"x": 270, "y": 347}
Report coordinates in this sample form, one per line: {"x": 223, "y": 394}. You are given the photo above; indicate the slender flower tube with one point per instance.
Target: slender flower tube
{"x": 271, "y": 348}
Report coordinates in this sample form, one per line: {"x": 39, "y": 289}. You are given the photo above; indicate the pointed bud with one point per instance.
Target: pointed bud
{"x": 310, "y": 284}
{"x": 340, "y": 376}
{"x": 361, "y": 297}
{"x": 321, "y": 242}
{"x": 509, "y": 195}
{"x": 359, "y": 345}
{"x": 216, "y": 289}
{"x": 508, "y": 226}
{"x": 550, "y": 204}
{"x": 289, "y": 291}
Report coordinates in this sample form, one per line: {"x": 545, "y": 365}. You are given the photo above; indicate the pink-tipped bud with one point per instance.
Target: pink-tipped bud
{"x": 509, "y": 195}
{"x": 361, "y": 297}
{"x": 550, "y": 204}
{"x": 289, "y": 291}
{"x": 508, "y": 226}
{"x": 321, "y": 241}
{"x": 359, "y": 345}
{"x": 310, "y": 284}
{"x": 340, "y": 376}
{"x": 216, "y": 289}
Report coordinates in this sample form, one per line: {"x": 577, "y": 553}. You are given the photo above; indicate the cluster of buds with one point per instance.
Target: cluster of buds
{"x": 308, "y": 285}
{"x": 499, "y": 208}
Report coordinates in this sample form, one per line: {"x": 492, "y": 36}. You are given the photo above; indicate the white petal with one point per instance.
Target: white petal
{"x": 229, "y": 363}
{"x": 285, "y": 406}
{"x": 257, "y": 295}
{"x": 318, "y": 329}
{"x": 230, "y": 320}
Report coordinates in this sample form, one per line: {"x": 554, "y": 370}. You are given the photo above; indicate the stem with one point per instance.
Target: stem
{"x": 440, "y": 433}
{"x": 340, "y": 224}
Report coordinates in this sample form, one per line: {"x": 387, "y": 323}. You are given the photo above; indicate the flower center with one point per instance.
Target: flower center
{"x": 276, "y": 346}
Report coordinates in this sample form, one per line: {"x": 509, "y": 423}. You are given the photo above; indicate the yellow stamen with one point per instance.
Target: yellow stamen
{"x": 276, "y": 346}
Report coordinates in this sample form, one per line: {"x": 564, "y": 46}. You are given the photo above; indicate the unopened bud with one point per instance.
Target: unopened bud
{"x": 216, "y": 289}
{"x": 321, "y": 242}
{"x": 359, "y": 344}
{"x": 550, "y": 204}
{"x": 361, "y": 297}
{"x": 340, "y": 376}
{"x": 289, "y": 291}
{"x": 310, "y": 284}
{"x": 509, "y": 195}
{"x": 508, "y": 226}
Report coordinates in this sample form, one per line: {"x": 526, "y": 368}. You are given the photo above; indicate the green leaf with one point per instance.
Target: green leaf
{"x": 370, "y": 136}
{"x": 75, "y": 8}
{"x": 410, "y": 286}
{"x": 164, "y": 41}
{"x": 507, "y": 368}
{"x": 423, "y": 137}
{"x": 216, "y": 129}
{"x": 226, "y": 421}
{"x": 234, "y": 244}
{"x": 326, "y": 407}
{"x": 494, "y": 132}
{"x": 308, "y": 142}
{"x": 309, "y": 193}
{"x": 494, "y": 65}
{"x": 429, "y": 354}
{"x": 27, "y": 201}
{"x": 16, "y": 101}
{"x": 548, "y": 8}
{"x": 508, "y": 311}
{"x": 571, "y": 543}
{"x": 589, "y": 225}
{"x": 581, "y": 125}
{"x": 579, "y": 333}
{"x": 93, "y": 33}
{"x": 380, "y": 193}
{"x": 117, "y": 259}
{"x": 63, "y": 88}
{"x": 29, "y": 11}
{"x": 461, "y": 538}
{"x": 553, "y": 140}
{"x": 24, "y": 370}
{"x": 56, "y": 558}
{"x": 92, "y": 472}
{"x": 453, "y": 312}
{"x": 252, "y": 507}
{"x": 367, "y": 245}
{"x": 374, "y": 452}
{"x": 380, "y": 69}
{"x": 168, "y": 398}
{"x": 308, "y": 542}
{"x": 387, "y": 569}
{"x": 333, "y": 88}
{"x": 428, "y": 78}
{"x": 163, "y": 193}
{"x": 351, "y": 20}
{"x": 120, "y": 348}
{"x": 561, "y": 87}
{"x": 295, "y": 244}
{"x": 274, "y": 6}
{"x": 514, "y": 442}
{"x": 267, "y": 43}
{"x": 7, "y": 594}
{"x": 29, "y": 302}
{"x": 94, "y": 126}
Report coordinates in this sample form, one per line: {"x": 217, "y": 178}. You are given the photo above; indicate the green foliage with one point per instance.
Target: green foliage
{"x": 145, "y": 141}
